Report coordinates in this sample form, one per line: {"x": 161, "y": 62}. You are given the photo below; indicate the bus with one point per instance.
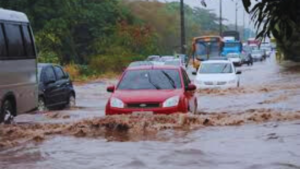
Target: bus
{"x": 18, "y": 66}
{"x": 205, "y": 47}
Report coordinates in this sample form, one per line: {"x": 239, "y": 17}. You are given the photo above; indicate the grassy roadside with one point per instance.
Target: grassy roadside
{"x": 82, "y": 74}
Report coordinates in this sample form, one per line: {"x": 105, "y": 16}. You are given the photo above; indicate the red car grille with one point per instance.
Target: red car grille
{"x": 143, "y": 105}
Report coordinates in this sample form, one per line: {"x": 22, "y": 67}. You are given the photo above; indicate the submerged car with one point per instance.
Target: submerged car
{"x": 258, "y": 55}
{"x": 218, "y": 58}
{"x": 246, "y": 56}
{"x": 217, "y": 74}
{"x": 167, "y": 58}
{"x": 55, "y": 88}
{"x": 153, "y": 58}
{"x": 152, "y": 90}
{"x": 235, "y": 58}
{"x": 140, "y": 63}
{"x": 175, "y": 62}
{"x": 267, "y": 49}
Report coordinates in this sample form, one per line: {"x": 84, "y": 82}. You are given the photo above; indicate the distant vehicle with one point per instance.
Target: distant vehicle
{"x": 184, "y": 59}
{"x": 246, "y": 56}
{"x": 267, "y": 48}
{"x": 217, "y": 74}
{"x": 232, "y": 47}
{"x": 257, "y": 55}
{"x": 18, "y": 68}
{"x": 229, "y": 38}
{"x": 153, "y": 58}
{"x": 157, "y": 63}
{"x": 140, "y": 63}
{"x": 253, "y": 41}
{"x": 218, "y": 58}
{"x": 175, "y": 62}
{"x": 152, "y": 90}
{"x": 55, "y": 88}
{"x": 166, "y": 58}
{"x": 253, "y": 47}
{"x": 235, "y": 58}
{"x": 234, "y": 34}
{"x": 205, "y": 47}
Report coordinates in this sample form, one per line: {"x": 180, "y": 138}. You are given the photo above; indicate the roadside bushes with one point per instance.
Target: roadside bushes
{"x": 114, "y": 63}
{"x": 48, "y": 57}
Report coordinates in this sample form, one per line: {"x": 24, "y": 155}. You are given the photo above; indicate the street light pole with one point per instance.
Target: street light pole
{"x": 244, "y": 37}
{"x": 221, "y": 18}
{"x": 182, "y": 26}
{"x": 236, "y": 12}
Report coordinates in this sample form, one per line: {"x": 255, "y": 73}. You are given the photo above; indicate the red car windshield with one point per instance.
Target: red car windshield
{"x": 155, "y": 79}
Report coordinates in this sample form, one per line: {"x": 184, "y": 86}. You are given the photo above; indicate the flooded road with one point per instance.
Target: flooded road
{"x": 254, "y": 127}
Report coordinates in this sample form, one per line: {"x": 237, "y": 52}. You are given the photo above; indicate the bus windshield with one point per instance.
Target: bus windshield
{"x": 207, "y": 49}
{"x": 231, "y": 45}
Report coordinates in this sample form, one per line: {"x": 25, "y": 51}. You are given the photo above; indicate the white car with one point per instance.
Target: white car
{"x": 257, "y": 55}
{"x": 235, "y": 58}
{"x": 267, "y": 49}
{"x": 175, "y": 62}
{"x": 217, "y": 74}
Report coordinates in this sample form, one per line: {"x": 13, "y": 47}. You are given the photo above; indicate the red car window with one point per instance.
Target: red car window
{"x": 156, "y": 79}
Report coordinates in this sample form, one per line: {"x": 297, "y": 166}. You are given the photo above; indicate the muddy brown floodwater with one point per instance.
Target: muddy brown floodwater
{"x": 256, "y": 126}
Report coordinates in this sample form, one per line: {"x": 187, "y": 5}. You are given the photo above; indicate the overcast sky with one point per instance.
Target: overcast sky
{"x": 228, "y": 9}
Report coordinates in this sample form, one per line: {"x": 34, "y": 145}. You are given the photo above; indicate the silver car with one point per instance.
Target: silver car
{"x": 257, "y": 55}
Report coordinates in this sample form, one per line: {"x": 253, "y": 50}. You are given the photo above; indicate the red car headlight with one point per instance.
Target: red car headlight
{"x": 171, "y": 102}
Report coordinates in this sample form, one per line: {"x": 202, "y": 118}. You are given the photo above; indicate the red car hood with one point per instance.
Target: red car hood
{"x": 144, "y": 96}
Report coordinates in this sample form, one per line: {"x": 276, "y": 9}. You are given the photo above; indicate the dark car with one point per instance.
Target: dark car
{"x": 247, "y": 57}
{"x": 55, "y": 88}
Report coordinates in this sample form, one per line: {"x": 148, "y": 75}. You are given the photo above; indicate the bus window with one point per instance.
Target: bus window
{"x": 200, "y": 48}
{"x": 28, "y": 42}
{"x": 14, "y": 41}
{"x": 2, "y": 43}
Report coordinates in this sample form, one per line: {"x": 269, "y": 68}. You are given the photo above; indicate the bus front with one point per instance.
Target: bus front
{"x": 232, "y": 47}
{"x": 205, "y": 48}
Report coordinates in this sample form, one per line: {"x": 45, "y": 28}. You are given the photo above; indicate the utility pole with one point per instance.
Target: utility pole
{"x": 182, "y": 26}
{"x": 236, "y": 13}
{"x": 221, "y": 25}
{"x": 244, "y": 37}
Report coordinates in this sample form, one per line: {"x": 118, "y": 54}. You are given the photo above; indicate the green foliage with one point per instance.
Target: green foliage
{"x": 97, "y": 36}
{"x": 164, "y": 19}
{"x": 48, "y": 57}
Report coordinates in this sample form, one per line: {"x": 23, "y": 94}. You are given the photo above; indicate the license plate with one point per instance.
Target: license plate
{"x": 142, "y": 113}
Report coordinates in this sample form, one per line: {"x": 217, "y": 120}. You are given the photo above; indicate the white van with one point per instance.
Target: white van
{"x": 18, "y": 66}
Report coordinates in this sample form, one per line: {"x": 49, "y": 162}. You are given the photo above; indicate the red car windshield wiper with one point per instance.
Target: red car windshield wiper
{"x": 153, "y": 84}
{"x": 169, "y": 79}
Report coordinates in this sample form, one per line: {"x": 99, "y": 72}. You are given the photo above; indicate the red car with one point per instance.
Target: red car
{"x": 152, "y": 90}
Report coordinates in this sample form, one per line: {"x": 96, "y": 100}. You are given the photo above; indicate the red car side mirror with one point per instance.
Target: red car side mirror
{"x": 110, "y": 89}
{"x": 191, "y": 87}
